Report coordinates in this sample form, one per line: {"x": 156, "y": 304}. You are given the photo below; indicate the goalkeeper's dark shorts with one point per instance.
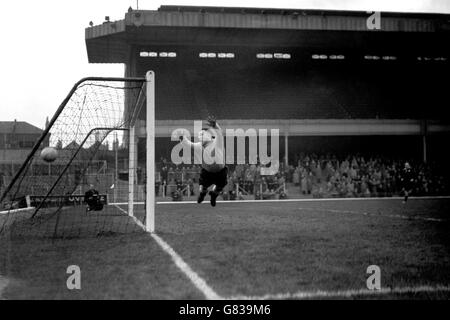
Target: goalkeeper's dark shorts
{"x": 220, "y": 178}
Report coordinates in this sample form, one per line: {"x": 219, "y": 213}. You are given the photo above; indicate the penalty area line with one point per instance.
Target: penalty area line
{"x": 345, "y": 293}
{"x": 197, "y": 281}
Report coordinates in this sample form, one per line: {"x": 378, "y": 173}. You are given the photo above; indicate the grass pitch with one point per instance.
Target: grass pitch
{"x": 261, "y": 249}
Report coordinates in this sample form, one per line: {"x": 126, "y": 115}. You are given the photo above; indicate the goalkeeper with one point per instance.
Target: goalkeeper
{"x": 214, "y": 172}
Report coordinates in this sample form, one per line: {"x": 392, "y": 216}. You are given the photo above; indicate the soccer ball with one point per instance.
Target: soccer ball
{"x": 49, "y": 154}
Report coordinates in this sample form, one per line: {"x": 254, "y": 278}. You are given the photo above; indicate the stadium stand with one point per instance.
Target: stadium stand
{"x": 316, "y": 91}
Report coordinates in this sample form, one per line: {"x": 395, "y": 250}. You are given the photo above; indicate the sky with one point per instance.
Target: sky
{"x": 43, "y": 51}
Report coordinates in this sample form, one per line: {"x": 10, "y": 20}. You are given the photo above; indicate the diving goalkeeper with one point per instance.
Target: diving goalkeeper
{"x": 214, "y": 172}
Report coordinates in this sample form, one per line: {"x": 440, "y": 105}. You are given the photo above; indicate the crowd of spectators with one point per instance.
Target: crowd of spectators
{"x": 322, "y": 175}
{"x": 362, "y": 176}
{"x": 248, "y": 177}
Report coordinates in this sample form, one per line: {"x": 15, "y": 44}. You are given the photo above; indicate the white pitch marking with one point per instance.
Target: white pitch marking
{"x": 344, "y": 293}
{"x": 17, "y": 210}
{"x": 198, "y": 282}
{"x": 307, "y": 200}
{"x": 3, "y": 284}
{"x": 140, "y": 224}
{"x": 292, "y": 200}
{"x": 397, "y": 216}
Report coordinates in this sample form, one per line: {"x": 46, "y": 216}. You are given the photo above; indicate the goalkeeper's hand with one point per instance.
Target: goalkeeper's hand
{"x": 212, "y": 122}
{"x": 179, "y": 134}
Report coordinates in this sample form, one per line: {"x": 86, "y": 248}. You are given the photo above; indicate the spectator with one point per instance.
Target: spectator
{"x": 329, "y": 175}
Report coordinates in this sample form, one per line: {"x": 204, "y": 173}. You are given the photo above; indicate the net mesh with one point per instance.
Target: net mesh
{"x": 90, "y": 133}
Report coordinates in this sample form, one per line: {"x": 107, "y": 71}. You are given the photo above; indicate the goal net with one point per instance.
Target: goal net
{"x": 97, "y": 180}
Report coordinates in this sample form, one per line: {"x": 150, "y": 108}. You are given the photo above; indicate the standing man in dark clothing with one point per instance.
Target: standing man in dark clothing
{"x": 407, "y": 181}
{"x": 92, "y": 199}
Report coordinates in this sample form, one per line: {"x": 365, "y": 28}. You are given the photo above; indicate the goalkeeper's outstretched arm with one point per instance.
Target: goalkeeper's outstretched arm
{"x": 197, "y": 146}
{"x": 219, "y": 133}
{"x": 186, "y": 141}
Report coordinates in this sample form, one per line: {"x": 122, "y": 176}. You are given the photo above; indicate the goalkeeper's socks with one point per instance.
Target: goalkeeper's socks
{"x": 214, "y": 196}
{"x": 201, "y": 197}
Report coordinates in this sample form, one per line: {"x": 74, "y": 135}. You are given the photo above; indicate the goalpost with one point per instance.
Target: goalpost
{"x": 150, "y": 156}
{"x": 46, "y": 199}
{"x": 150, "y": 124}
